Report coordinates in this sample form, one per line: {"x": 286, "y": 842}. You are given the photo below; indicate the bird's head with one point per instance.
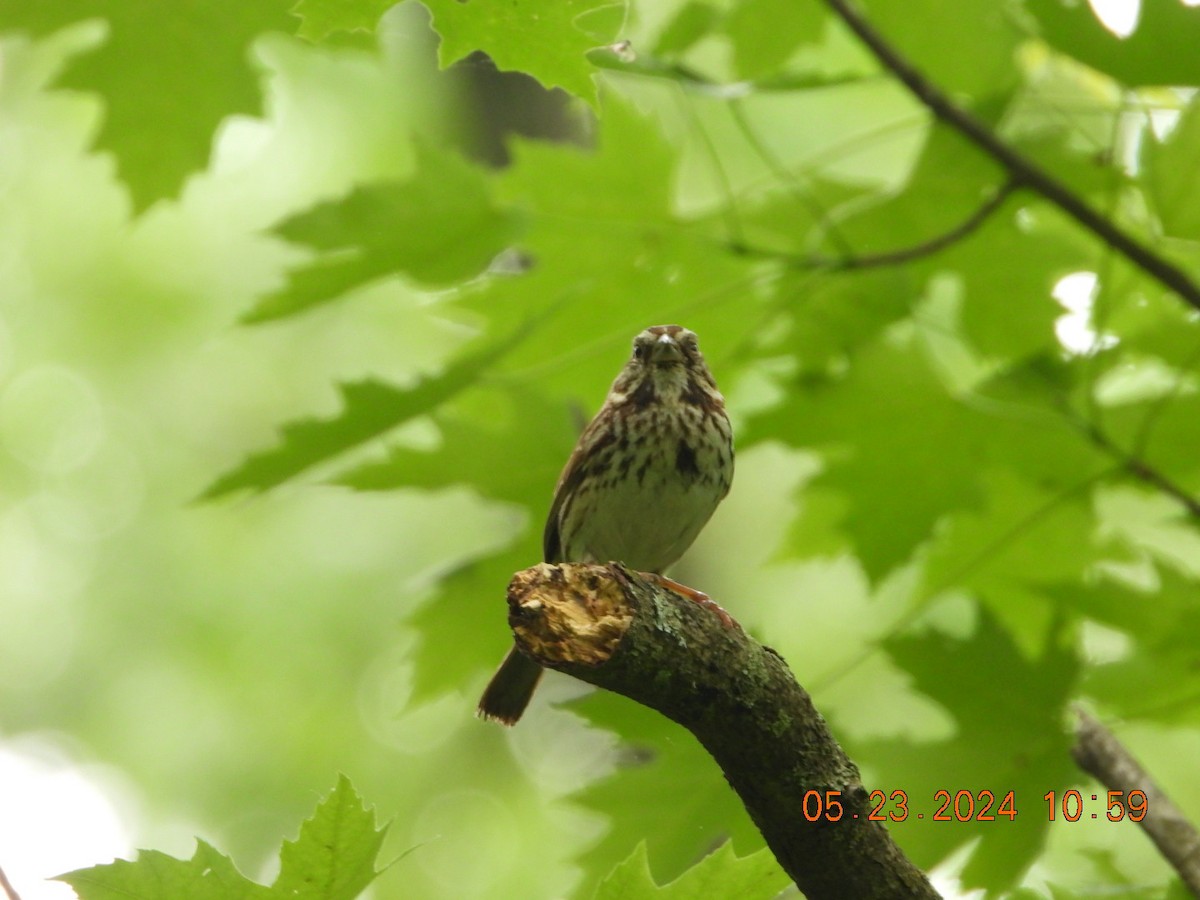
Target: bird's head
{"x": 667, "y": 345}
{"x": 666, "y": 365}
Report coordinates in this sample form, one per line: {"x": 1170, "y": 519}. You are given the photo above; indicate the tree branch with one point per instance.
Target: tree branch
{"x": 933, "y": 245}
{"x": 612, "y": 628}
{"x": 1022, "y": 169}
{"x": 9, "y": 891}
{"x": 892, "y": 257}
{"x": 1140, "y": 469}
{"x": 1152, "y": 476}
{"x": 1098, "y": 752}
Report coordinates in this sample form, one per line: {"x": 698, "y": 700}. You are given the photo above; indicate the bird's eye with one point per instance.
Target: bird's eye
{"x": 639, "y": 350}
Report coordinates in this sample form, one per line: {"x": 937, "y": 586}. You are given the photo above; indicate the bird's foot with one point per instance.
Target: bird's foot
{"x": 691, "y": 594}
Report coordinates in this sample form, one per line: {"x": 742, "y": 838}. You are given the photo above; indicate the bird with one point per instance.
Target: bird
{"x": 644, "y": 478}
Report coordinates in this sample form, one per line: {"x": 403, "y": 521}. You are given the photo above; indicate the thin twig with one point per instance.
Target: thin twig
{"x": 893, "y": 257}
{"x": 1183, "y": 373}
{"x": 1151, "y": 476}
{"x": 1025, "y": 173}
{"x": 942, "y": 241}
{"x": 1020, "y": 168}
{"x": 1098, "y": 752}
{"x": 9, "y": 891}
{"x": 1140, "y": 469}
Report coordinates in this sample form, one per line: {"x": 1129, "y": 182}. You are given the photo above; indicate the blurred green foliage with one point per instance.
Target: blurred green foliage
{"x": 965, "y": 500}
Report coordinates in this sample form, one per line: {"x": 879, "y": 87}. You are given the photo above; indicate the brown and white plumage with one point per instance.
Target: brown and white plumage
{"x": 643, "y": 480}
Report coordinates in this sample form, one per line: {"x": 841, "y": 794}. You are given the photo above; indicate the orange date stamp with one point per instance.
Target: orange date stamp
{"x": 978, "y": 806}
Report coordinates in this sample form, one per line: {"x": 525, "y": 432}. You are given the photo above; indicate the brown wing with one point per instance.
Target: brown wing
{"x": 568, "y": 481}
{"x": 590, "y": 453}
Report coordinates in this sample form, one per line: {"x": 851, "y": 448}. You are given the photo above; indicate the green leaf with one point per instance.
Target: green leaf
{"x": 440, "y": 227}
{"x": 1009, "y": 735}
{"x": 765, "y": 33}
{"x": 369, "y": 409}
{"x": 720, "y": 874}
{"x": 949, "y": 169}
{"x": 606, "y": 189}
{"x": 1172, "y": 177}
{"x": 1159, "y": 678}
{"x": 612, "y": 258}
{"x": 980, "y": 66}
{"x": 669, "y": 794}
{"x": 548, "y": 39}
{"x": 1159, "y": 52}
{"x": 1149, "y": 321}
{"x": 692, "y": 22}
{"x": 835, "y": 314}
{"x": 1008, "y": 311}
{"x": 876, "y": 457}
{"x": 898, "y": 480}
{"x": 1110, "y": 878}
{"x": 1021, "y": 535}
{"x": 521, "y": 464}
{"x": 334, "y": 856}
{"x": 321, "y": 18}
{"x": 787, "y": 220}
{"x": 1081, "y": 164}
{"x": 333, "y": 859}
{"x": 1022, "y": 539}
{"x": 208, "y": 875}
{"x": 1024, "y": 406}
{"x": 1162, "y": 434}
{"x": 1084, "y": 150}
{"x": 169, "y": 74}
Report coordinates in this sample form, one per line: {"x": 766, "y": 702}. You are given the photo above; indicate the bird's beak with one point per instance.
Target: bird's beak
{"x": 666, "y": 350}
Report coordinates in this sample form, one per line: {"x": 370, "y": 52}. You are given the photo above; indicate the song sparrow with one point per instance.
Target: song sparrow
{"x": 644, "y": 478}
